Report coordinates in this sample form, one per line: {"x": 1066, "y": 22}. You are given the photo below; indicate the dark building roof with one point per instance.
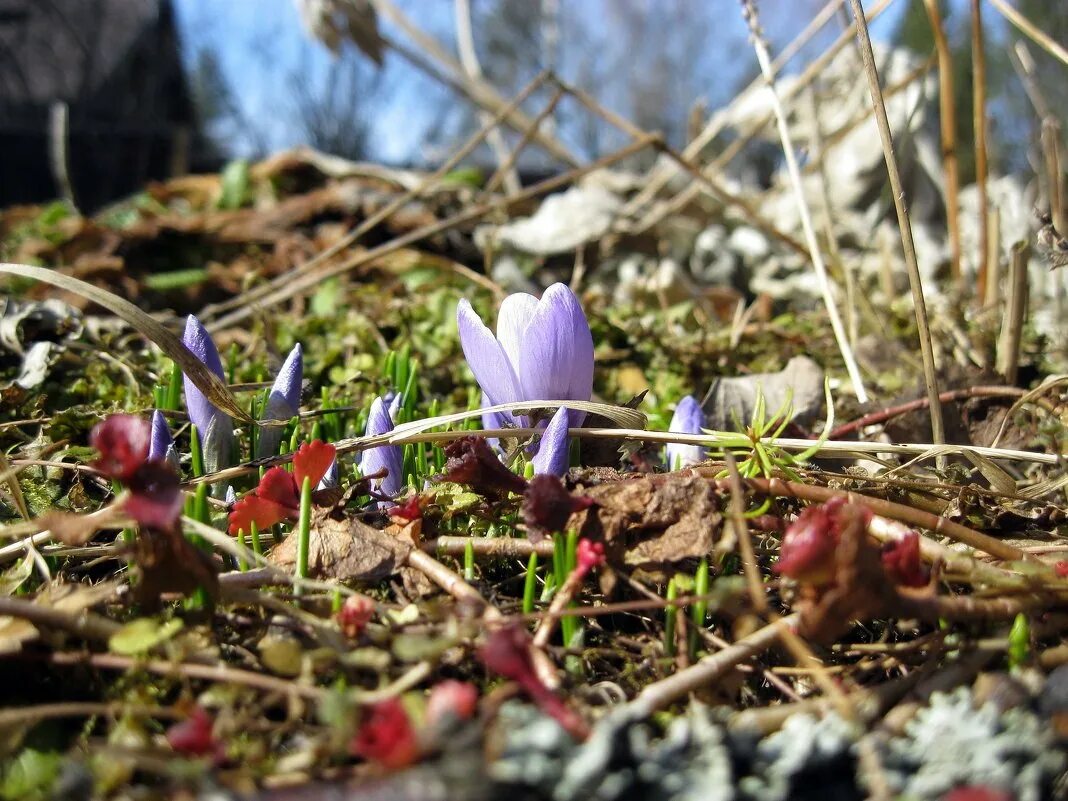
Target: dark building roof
{"x": 117, "y": 65}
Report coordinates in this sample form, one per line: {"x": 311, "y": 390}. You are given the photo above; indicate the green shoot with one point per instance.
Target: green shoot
{"x": 530, "y": 584}
{"x": 304, "y": 531}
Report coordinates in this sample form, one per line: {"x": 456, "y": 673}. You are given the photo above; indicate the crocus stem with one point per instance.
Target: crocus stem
{"x": 257, "y": 546}
{"x": 304, "y": 531}
{"x": 699, "y": 610}
{"x": 174, "y": 389}
{"x": 530, "y": 584}
{"x": 469, "y": 563}
{"x": 670, "y": 619}
{"x": 195, "y": 452}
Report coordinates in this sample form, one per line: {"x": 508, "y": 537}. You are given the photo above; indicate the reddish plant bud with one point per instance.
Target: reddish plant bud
{"x": 901, "y": 559}
{"x": 807, "y": 553}
{"x": 155, "y": 497}
{"x": 473, "y": 462}
{"x": 354, "y": 615}
{"x": 507, "y": 652}
{"x": 193, "y": 736}
{"x": 386, "y": 736}
{"x": 451, "y": 699}
{"x": 547, "y": 506}
{"x": 410, "y": 510}
{"x": 123, "y": 441}
{"x": 589, "y": 555}
{"x": 1061, "y": 568}
{"x": 977, "y": 793}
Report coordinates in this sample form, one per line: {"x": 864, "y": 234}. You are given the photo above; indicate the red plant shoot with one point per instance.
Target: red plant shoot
{"x": 277, "y": 498}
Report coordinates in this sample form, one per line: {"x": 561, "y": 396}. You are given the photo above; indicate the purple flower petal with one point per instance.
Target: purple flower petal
{"x": 515, "y": 315}
{"x": 556, "y": 359}
{"x": 552, "y": 455}
{"x": 390, "y": 457}
{"x": 486, "y": 357}
{"x": 201, "y": 412}
{"x": 689, "y": 418}
{"x": 395, "y": 404}
{"x": 283, "y": 402}
{"x": 161, "y": 444}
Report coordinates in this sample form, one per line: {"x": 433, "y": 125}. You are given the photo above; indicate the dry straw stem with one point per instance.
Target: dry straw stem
{"x": 948, "y": 124}
{"x": 465, "y": 44}
{"x": 1029, "y": 29}
{"x": 979, "y": 123}
{"x": 659, "y": 179}
{"x": 298, "y": 284}
{"x": 1008, "y": 361}
{"x": 382, "y": 214}
{"x": 907, "y": 244}
{"x": 478, "y": 90}
{"x": 749, "y": 11}
{"x": 705, "y": 672}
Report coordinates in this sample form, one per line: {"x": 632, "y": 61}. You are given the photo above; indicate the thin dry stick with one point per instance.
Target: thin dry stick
{"x": 948, "y": 126}
{"x": 723, "y": 117}
{"x": 479, "y": 91}
{"x": 676, "y": 687}
{"x": 382, "y": 214}
{"x": 979, "y": 122}
{"x": 304, "y": 283}
{"x": 545, "y": 114}
{"x": 1051, "y": 138}
{"x": 757, "y": 40}
{"x": 1008, "y": 361}
{"x": 1029, "y": 29}
{"x": 84, "y": 623}
{"x": 909, "y": 247}
{"x": 465, "y": 44}
{"x": 736, "y": 517}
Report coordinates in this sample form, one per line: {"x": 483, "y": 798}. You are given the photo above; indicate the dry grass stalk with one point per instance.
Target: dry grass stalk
{"x": 1051, "y": 138}
{"x": 1032, "y": 31}
{"x": 262, "y": 290}
{"x": 465, "y": 44}
{"x": 1008, "y": 361}
{"x": 979, "y": 123}
{"x": 905, "y": 226}
{"x": 948, "y": 124}
{"x": 756, "y": 38}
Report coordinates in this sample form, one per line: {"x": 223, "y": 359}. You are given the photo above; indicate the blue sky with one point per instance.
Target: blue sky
{"x": 263, "y": 50}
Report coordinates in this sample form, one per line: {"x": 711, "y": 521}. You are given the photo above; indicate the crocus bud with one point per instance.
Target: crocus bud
{"x": 214, "y": 426}
{"x": 282, "y": 403}
{"x": 161, "y": 444}
{"x": 388, "y": 457}
{"x": 687, "y": 419}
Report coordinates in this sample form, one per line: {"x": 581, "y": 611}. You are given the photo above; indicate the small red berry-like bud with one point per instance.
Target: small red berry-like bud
{"x": 901, "y": 559}
{"x": 451, "y": 698}
{"x": 386, "y": 736}
{"x": 588, "y": 555}
{"x": 354, "y": 615}
{"x": 193, "y": 736}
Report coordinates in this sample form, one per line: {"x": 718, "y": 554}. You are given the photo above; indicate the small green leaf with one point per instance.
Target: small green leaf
{"x": 142, "y": 635}
{"x": 234, "y": 185}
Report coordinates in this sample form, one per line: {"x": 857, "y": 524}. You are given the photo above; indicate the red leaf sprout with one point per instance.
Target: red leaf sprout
{"x": 386, "y": 736}
{"x": 277, "y": 498}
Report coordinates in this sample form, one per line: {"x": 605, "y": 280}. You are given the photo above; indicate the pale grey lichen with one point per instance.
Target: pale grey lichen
{"x": 948, "y": 744}
{"x": 952, "y": 743}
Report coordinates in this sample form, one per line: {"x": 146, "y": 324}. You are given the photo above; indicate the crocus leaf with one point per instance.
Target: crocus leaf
{"x": 166, "y": 340}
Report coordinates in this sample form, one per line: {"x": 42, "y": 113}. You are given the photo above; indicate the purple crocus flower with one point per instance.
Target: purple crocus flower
{"x": 553, "y": 456}
{"x": 390, "y": 457}
{"x": 543, "y": 350}
{"x": 283, "y": 401}
{"x": 160, "y": 443}
{"x": 214, "y": 426}
{"x": 689, "y": 418}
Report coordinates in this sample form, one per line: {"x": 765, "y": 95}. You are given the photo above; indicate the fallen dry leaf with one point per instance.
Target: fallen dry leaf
{"x": 345, "y": 550}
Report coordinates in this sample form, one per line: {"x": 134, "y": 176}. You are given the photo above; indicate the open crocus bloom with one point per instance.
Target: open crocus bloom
{"x": 688, "y": 419}
{"x": 543, "y": 350}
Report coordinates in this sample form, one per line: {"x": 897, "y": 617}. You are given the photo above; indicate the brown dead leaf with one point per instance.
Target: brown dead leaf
{"x": 169, "y": 563}
{"x": 653, "y": 521}
{"x": 74, "y": 529}
{"x": 345, "y": 550}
